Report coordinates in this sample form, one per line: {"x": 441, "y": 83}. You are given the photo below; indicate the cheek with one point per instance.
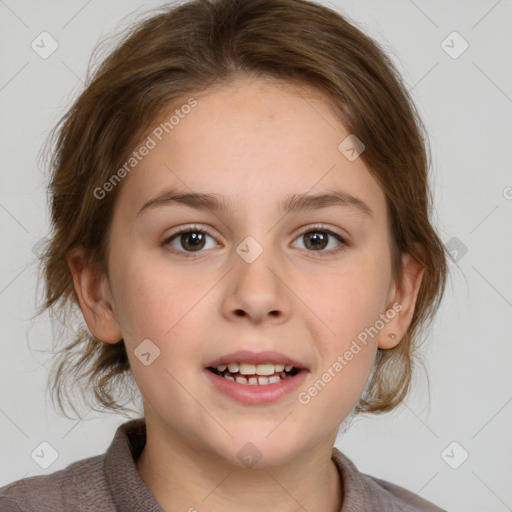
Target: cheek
{"x": 349, "y": 302}
{"x": 347, "y": 357}
{"x": 158, "y": 306}
{"x": 153, "y": 300}
{"x": 351, "y": 299}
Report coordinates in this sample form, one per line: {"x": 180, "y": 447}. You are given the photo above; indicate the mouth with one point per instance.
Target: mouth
{"x": 255, "y": 378}
{"x": 252, "y": 375}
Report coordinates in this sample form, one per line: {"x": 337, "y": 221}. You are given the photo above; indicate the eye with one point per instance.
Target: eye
{"x": 191, "y": 239}
{"x": 317, "y": 239}
{"x": 194, "y": 239}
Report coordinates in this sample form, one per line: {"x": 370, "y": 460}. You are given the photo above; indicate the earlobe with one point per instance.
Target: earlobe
{"x": 92, "y": 289}
{"x": 403, "y": 301}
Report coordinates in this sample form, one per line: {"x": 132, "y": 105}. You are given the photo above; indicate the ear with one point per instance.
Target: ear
{"x": 402, "y": 301}
{"x": 94, "y": 296}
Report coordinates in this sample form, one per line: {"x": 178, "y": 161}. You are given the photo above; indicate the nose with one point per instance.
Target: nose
{"x": 257, "y": 292}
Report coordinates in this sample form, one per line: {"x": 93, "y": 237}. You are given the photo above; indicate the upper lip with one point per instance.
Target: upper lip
{"x": 246, "y": 356}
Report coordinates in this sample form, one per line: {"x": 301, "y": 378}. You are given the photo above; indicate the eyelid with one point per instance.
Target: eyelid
{"x": 321, "y": 227}
{"x": 191, "y": 227}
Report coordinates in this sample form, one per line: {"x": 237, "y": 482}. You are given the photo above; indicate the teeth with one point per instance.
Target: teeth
{"x": 247, "y": 369}
{"x": 266, "y": 369}
{"x": 253, "y": 380}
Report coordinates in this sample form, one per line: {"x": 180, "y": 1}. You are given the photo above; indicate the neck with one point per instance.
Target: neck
{"x": 182, "y": 478}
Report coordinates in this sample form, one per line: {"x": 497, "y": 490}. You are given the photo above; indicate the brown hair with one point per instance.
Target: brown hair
{"x": 187, "y": 48}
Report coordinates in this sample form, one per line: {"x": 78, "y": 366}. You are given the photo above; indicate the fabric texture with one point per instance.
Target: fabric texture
{"x": 111, "y": 483}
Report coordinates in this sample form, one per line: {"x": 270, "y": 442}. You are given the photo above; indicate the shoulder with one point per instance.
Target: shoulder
{"x": 107, "y": 482}
{"x": 366, "y": 492}
{"x": 407, "y": 501}
{"x": 80, "y": 486}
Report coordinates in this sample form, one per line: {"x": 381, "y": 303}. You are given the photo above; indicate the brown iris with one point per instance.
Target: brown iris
{"x": 192, "y": 240}
{"x": 317, "y": 238}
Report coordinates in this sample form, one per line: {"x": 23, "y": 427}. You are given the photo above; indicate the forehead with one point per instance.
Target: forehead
{"x": 254, "y": 141}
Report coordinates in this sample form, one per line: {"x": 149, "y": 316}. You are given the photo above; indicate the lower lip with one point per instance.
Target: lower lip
{"x": 256, "y": 393}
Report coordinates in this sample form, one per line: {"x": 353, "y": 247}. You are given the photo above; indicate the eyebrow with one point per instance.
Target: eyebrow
{"x": 293, "y": 202}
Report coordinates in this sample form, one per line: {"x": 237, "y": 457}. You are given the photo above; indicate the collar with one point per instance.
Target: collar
{"x": 130, "y": 493}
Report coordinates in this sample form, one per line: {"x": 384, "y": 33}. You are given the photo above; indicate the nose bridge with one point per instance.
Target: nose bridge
{"x": 256, "y": 288}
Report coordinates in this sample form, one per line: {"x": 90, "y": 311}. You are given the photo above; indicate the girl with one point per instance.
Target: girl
{"x": 241, "y": 214}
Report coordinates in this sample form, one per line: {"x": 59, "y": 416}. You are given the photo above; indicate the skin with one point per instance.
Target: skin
{"x": 255, "y": 141}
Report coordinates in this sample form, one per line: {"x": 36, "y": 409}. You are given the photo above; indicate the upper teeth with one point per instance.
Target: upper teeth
{"x": 252, "y": 369}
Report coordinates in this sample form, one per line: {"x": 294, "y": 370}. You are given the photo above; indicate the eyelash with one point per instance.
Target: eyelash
{"x": 311, "y": 229}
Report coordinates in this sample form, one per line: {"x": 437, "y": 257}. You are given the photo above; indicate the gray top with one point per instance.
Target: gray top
{"x": 110, "y": 483}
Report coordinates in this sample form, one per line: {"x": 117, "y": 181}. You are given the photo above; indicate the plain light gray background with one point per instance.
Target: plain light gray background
{"x": 466, "y": 103}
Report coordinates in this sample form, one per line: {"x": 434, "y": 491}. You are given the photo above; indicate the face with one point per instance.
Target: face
{"x": 248, "y": 273}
